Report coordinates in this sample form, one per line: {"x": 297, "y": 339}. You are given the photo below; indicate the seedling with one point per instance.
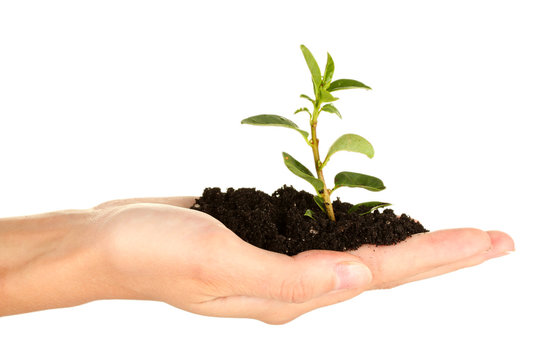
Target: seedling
{"x": 323, "y": 88}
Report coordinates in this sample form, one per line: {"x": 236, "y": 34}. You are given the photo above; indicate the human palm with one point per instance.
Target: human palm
{"x": 161, "y": 250}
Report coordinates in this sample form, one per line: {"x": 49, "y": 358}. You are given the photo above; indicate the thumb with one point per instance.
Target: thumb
{"x": 305, "y": 276}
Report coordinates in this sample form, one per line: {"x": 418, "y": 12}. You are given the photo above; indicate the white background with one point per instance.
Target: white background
{"x": 102, "y": 100}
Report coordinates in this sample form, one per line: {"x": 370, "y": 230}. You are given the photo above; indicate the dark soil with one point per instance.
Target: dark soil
{"x": 277, "y": 223}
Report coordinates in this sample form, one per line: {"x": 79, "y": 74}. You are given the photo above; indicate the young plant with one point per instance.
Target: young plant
{"x": 323, "y": 88}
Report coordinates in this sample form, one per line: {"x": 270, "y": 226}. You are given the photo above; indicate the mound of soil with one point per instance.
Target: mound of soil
{"x": 277, "y": 222}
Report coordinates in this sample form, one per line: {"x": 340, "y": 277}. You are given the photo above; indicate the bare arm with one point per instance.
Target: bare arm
{"x": 156, "y": 249}
{"x": 49, "y": 261}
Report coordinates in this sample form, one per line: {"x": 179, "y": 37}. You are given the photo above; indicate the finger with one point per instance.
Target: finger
{"x": 297, "y": 279}
{"x": 181, "y": 201}
{"x": 501, "y": 244}
{"x": 279, "y": 312}
{"x": 421, "y": 253}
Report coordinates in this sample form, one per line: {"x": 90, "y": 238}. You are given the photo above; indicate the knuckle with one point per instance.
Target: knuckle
{"x": 296, "y": 291}
{"x": 377, "y": 266}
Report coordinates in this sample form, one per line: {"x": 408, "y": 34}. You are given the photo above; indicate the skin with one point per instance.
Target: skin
{"x": 158, "y": 249}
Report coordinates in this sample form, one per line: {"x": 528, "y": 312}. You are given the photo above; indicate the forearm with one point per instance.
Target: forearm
{"x": 51, "y": 260}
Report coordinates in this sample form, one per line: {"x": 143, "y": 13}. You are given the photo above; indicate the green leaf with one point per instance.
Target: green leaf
{"x": 309, "y": 213}
{"x": 300, "y": 170}
{"x": 328, "y": 71}
{"x": 312, "y": 65}
{"x": 303, "y": 109}
{"x": 331, "y": 109}
{"x": 320, "y": 202}
{"x": 369, "y": 206}
{"x": 274, "y": 120}
{"x": 350, "y": 142}
{"x": 327, "y": 97}
{"x": 343, "y": 84}
{"x": 351, "y": 179}
{"x": 308, "y": 98}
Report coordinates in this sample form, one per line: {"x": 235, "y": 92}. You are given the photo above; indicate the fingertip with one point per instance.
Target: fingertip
{"x": 464, "y": 241}
{"x": 501, "y": 242}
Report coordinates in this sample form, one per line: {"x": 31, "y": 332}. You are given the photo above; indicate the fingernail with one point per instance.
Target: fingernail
{"x": 352, "y": 275}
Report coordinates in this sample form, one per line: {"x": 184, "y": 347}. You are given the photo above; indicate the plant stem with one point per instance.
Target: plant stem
{"x": 318, "y": 164}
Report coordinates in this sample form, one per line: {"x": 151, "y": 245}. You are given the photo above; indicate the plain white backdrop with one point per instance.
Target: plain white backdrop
{"x": 102, "y": 100}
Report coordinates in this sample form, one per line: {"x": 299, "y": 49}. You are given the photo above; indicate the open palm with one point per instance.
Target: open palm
{"x": 162, "y": 250}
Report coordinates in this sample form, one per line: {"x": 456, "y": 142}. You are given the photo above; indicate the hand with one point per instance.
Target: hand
{"x": 160, "y": 250}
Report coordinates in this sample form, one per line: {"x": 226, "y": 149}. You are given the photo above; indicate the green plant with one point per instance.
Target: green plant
{"x": 323, "y": 87}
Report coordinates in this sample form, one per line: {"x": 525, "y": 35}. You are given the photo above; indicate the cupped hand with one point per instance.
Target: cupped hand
{"x": 158, "y": 249}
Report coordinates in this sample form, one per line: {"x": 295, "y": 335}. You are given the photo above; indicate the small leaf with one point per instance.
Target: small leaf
{"x": 327, "y": 97}
{"x": 350, "y": 142}
{"x": 303, "y": 109}
{"x": 331, "y": 109}
{"x": 343, "y": 84}
{"x": 309, "y": 213}
{"x": 351, "y": 179}
{"x": 320, "y": 202}
{"x": 300, "y": 170}
{"x": 370, "y": 206}
{"x": 328, "y": 71}
{"x": 308, "y": 98}
{"x": 312, "y": 65}
{"x": 274, "y": 120}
